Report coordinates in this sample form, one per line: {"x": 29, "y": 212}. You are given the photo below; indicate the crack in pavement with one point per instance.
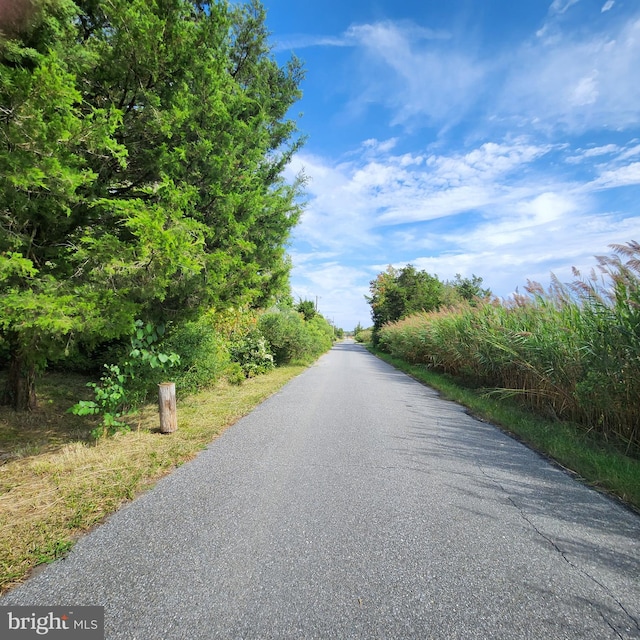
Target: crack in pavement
{"x": 564, "y": 556}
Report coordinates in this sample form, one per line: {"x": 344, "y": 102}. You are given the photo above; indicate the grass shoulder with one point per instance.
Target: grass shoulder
{"x": 56, "y": 483}
{"x": 588, "y": 456}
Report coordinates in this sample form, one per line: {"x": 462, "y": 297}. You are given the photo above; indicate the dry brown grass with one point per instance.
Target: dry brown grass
{"x": 55, "y": 483}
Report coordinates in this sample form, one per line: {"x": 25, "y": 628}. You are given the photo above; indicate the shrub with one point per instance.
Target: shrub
{"x": 234, "y": 374}
{"x": 285, "y": 333}
{"x": 363, "y": 335}
{"x": 291, "y": 339}
{"x": 204, "y": 354}
{"x": 251, "y": 352}
{"x": 121, "y": 389}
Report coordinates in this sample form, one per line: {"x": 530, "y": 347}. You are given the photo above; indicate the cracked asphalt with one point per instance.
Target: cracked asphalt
{"x": 355, "y": 503}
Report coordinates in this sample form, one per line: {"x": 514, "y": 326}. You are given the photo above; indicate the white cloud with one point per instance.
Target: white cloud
{"x": 585, "y": 91}
{"x": 381, "y": 147}
{"x": 602, "y": 150}
{"x": 349, "y": 201}
{"x": 561, "y": 6}
{"x": 508, "y": 265}
{"x": 630, "y": 152}
{"x": 619, "y": 177}
{"x": 303, "y": 41}
{"x": 576, "y": 83}
{"x": 585, "y": 154}
{"x": 607, "y": 6}
{"x": 405, "y": 70}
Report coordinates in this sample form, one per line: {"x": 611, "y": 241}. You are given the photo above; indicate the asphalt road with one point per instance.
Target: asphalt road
{"x": 355, "y": 503}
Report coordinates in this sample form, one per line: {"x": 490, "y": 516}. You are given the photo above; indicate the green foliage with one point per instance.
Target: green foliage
{"x": 144, "y": 349}
{"x": 120, "y": 389}
{"x": 251, "y": 352}
{"x": 306, "y": 308}
{"x": 204, "y": 354}
{"x": 147, "y": 366}
{"x": 322, "y": 334}
{"x": 110, "y": 402}
{"x": 43, "y": 180}
{"x": 468, "y": 289}
{"x": 235, "y": 374}
{"x": 291, "y": 339}
{"x": 364, "y": 336}
{"x": 396, "y": 293}
{"x": 284, "y": 331}
{"x": 142, "y": 156}
{"x": 572, "y": 352}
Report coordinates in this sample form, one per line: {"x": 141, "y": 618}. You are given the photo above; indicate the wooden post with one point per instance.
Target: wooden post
{"x": 167, "y": 403}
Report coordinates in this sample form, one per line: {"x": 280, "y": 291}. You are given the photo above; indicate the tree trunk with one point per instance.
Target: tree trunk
{"x": 20, "y": 392}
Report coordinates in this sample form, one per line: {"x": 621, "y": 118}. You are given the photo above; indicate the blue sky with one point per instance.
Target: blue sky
{"x": 487, "y": 137}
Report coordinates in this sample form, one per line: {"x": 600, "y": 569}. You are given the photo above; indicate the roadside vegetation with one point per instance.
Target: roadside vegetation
{"x": 143, "y": 149}
{"x": 560, "y": 368}
{"x": 60, "y": 474}
{"x": 56, "y": 481}
{"x": 144, "y": 217}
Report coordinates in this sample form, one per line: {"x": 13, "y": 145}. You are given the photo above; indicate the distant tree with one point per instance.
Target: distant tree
{"x": 307, "y": 308}
{"x": 469, "y": 289}
{"x": 420, "y": 290}
{"x": 396, "y": 293}
{"x": 385, "y": 299}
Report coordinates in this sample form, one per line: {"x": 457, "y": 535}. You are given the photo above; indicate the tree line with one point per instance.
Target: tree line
{"x": 398, "y": 293}
{"x": 142, "y": 153}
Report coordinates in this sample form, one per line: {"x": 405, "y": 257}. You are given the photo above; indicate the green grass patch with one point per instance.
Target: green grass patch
{"x": 56, "y": 483}
{"x": 595, "y": 461}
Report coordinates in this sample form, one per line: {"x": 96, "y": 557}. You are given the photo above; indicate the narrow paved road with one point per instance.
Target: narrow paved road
{"x": 355, "y": 503}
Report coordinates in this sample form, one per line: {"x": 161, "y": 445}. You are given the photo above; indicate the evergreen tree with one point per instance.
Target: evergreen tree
{"x": 142, "y": 147}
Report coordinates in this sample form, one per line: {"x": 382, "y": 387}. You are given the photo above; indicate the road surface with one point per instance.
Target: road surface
{"x": 355, "y": 503}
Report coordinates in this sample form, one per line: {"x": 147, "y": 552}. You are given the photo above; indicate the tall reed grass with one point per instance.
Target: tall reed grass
{"x": 571, "y": 351}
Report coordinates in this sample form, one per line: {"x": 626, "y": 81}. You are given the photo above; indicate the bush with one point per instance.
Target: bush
{"x": 291, "y": 339}
{"x": 234, "y": 374}
{"x": 204, "y": 354}
{"x": 251, "y": 352}
{"x": 285, "y": 333}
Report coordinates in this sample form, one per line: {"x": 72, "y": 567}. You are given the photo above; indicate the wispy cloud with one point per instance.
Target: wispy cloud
{"x": 576, "y": 84}
{"x": 454, "y": 184}
{"x": 414, "y": 76}
{"x": 561, "y": 6}
{"x": 517, "y": 215}
{"x": 618, "y": 177}
{"x": 425, "y": 77}
{"x": 385, "y": 189}
{"x": 303, "y": 41}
